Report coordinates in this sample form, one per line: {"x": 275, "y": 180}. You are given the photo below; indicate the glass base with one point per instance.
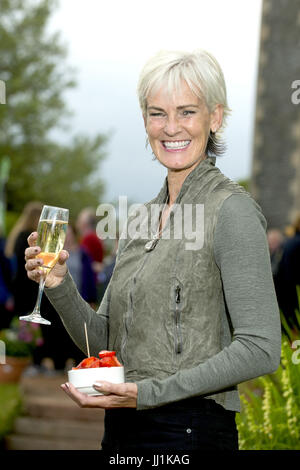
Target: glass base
{"x": 35, "y": 318}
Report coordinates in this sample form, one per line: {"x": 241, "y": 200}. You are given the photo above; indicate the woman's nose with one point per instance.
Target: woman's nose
{"x": 172, "y": 126}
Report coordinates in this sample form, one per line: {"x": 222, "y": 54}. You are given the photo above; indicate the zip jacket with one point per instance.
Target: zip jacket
{"x": 179, "y": 311}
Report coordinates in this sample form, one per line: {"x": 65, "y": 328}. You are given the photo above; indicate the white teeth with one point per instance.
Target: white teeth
{"x": 180, "y": 144}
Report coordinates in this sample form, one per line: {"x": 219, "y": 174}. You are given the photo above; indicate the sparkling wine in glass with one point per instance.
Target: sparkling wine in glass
{"x": 52, "y": 230}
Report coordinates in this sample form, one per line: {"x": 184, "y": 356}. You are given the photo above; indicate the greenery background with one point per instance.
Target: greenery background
{"x": 33, "y": 65}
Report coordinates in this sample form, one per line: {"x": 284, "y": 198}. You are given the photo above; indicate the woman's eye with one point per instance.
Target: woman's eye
{"x": 156, "y": 114}
{"x": 188, "y": 112}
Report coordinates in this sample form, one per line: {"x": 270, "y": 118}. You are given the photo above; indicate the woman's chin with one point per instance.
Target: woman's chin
{"x": 177, "y": 164}
{"x": 174, "y": 162}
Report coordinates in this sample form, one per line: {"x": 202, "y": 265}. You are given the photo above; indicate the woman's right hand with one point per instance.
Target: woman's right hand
{"x": 33, "y": 264}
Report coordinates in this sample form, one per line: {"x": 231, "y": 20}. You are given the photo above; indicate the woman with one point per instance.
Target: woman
{"x": 6, "y": 298}
{"x": 189, "y": 321}
{"x": 288, "y": 278}
{"x": 24, "y": 291}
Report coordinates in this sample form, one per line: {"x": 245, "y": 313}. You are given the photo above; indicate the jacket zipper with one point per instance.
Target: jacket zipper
{"x": 178, "y": 339}
{"x": 124, "y": 339}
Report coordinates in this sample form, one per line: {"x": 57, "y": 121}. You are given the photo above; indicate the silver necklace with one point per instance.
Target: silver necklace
{"x": 153, "y": 242}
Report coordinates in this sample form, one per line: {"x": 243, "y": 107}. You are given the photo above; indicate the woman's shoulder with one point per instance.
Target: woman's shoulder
{"x": 241, "y": 204}
{"x": 228, "y": 186}
{"x": 240, "y": 212}
{"x": 240, "y": 228}
{"x": 233, "y": 198}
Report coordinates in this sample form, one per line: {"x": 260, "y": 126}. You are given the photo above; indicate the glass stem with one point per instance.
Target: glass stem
{"x": 40, "y": 293}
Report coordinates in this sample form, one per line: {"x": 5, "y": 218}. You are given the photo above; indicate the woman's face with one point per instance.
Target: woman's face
{"x": 178, "y": 127}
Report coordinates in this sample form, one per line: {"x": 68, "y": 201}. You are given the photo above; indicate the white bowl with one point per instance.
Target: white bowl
{"x": 83, "y": 379}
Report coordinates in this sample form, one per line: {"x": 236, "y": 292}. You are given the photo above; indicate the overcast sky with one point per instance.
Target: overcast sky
{"x": 108, "y": 43}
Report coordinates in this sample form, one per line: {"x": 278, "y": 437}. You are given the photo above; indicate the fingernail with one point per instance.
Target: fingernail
{"x": 97, "y": 384}
{"x": 67, "y": 385}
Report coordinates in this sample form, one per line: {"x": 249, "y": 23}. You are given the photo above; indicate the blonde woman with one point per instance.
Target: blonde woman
{"x": 189, "y": 319}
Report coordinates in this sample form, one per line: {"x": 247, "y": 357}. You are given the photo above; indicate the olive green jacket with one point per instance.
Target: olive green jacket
{"x": 166, "y": 311}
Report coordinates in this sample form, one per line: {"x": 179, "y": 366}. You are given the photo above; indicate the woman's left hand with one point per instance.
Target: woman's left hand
{"x": 116, "y": 395}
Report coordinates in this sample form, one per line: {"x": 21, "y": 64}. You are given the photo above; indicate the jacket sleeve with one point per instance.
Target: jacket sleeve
{"x": 242, "y": 255}
{"x": 74, "y": 311}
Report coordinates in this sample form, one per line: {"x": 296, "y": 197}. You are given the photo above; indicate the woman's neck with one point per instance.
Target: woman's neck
{"x": 175, "y": 182}
{"x": 176, "y": 179}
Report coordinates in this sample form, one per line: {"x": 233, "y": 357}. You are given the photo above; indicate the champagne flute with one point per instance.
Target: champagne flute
{"x": 52, "y": 230}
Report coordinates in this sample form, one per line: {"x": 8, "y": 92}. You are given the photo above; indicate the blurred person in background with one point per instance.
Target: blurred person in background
{"x": 275, "y": 242}
{"x": 24, "y": 293}
{"x": 80, "y": 267}
{"x": 57, "y": 346}
{"x": 6, "y": 297}
{"x": 93, "y": 245}
{"x": 105, "y": 269}
{"x": 289, "y": 231}
{"x": 22, "y": 289}
{"x": 288, "y": 276}
{"x": 89, "y": 240}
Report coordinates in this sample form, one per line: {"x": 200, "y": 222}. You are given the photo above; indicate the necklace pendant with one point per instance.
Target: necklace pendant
{"x": 151, "y": 244}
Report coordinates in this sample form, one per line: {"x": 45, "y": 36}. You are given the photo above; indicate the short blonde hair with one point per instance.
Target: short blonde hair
{"x": 202, "y": 73}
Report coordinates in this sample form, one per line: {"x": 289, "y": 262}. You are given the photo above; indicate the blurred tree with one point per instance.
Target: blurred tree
{"x": 33, "y": 67}
{"x": 245, "y": 183}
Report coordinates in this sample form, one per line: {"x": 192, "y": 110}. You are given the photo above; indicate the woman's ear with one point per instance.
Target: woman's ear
{"x": 216, "y": 118}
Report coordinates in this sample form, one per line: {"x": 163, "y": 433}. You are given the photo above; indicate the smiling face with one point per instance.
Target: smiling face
{"x": 178, "y": 127}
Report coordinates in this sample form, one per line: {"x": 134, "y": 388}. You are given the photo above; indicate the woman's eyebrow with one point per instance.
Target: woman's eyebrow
{"x": 178, "y": 107}
{"x": 155, "y": 107}
{"x": 188, "y": 106}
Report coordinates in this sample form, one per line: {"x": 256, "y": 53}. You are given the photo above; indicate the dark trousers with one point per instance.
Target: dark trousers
{"x": 189, "y": 425}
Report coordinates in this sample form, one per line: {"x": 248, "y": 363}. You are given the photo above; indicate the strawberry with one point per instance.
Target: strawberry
{"x": 106, "y": 359}
{"x": 86, "y": 363}
{"x": 106, "y": 354}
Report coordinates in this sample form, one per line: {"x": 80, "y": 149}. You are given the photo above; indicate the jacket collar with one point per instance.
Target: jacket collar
{"x": 204, "y": 167}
